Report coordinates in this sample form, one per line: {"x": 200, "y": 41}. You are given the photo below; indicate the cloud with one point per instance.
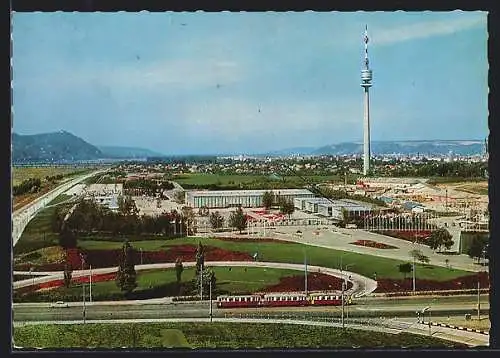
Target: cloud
{"x": 238, "y": 117}
{"x": 176, "y": 74}
{"x": 427, "y": 29}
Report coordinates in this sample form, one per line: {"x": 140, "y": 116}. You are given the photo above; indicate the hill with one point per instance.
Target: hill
{"x": 423, "y": 147}
{"x": 52, "y": 147}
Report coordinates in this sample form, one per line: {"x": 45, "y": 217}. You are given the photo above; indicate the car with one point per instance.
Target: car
{"x": 59, "y": 304}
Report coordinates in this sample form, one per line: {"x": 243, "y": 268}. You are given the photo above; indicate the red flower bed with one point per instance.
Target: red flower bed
{"x": 315, "y": 282}
{"x": 374, "y": 244}
{"x": 110, "y": 258}
{"x": 75, "y": 280}
{"x": 408, "y": 235}
{"x": 464, "y": 282}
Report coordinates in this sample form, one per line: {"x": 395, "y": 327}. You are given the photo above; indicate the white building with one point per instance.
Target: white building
{"x": 245, "y": 198}
{"x": 333, "y": 208}
{"x": 105, "y": 194}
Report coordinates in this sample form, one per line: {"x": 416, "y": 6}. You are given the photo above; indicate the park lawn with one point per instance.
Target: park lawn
{"x": 19, "y": 174}
{"x": 207, "y": 179}
{"x": 38, "y": 233}
{"x": 236, "y": 180}
{"x": 150, "y": 282}
{"x": 366, "y": 265}
{"x": 59, "y": 199}
{"x": 212, "y": 335}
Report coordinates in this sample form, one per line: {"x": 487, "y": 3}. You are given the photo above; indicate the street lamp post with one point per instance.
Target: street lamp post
{"x": 478, "y": 301}
{"x": 32, "y": 277}
{"x": 141, "y": 254}
{"x": 210, "y": 284}
{"x": 90, "y": 285}
{"x": 201, "y": 283}
{"x": 83, "y": 289}
{"x": 305, "y": 268}
{"x": 343, "y": 287}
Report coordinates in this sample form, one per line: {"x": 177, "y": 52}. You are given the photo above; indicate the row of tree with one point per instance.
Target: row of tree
{"x": 31, "y": 185}
{"x": 126, "y": 277}
{"x": 88, "y": 217}
{"x": 147, "y": 187}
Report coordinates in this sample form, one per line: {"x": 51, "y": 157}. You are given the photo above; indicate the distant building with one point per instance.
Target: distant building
{"x": 105, "y": 194}
{"x": 245, "y": 198}
{"x": 333, "y": 208}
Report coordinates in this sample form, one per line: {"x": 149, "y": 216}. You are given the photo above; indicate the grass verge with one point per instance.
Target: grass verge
{"x": 213, "y": 335}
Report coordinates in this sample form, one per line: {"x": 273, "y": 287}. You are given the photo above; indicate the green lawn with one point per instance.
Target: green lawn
{"x": 365, "y": 265}
{"x": 38, "y": 233}
{"x": 59, "y": 199}
{"x": 212, "y": 335}
{"x": 19, "y": 174}
{"x": 249, "y": 181}
{"x": 158, "y": 283}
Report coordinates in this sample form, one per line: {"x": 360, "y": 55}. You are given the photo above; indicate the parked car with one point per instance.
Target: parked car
{"x": 59, "y": 304}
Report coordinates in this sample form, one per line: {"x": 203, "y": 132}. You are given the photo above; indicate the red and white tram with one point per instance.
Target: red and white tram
{"x": 281, "y": 300}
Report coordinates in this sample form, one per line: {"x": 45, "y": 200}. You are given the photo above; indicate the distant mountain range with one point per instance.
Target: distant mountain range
{"x": 424, "y": 147}
{"x": 63, "y": 146}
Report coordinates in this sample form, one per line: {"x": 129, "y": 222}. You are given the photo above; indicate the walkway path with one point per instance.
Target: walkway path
{"x": 341, "y": 239}
{"x": 361, "y": 285}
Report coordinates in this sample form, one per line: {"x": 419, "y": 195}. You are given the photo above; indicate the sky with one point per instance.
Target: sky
{"x": 242, "y": 83}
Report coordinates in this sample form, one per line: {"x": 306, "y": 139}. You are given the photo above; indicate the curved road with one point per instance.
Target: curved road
{"x": 21, "y": 217}
{"x": 361, "y": 285}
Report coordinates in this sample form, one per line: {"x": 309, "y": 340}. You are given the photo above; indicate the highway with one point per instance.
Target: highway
{"x": 165, "y": 308}
{"x": 21, "y": 217}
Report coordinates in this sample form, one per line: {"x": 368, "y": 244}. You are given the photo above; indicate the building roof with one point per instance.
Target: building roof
{"x": 248, "y": 192}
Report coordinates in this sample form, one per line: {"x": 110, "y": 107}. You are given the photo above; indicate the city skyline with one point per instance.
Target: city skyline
{"x": 194, "y": 83}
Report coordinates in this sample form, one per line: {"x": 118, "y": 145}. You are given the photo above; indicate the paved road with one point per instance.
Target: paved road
{"x": 361, "y": 285}
{"x": 164, "y": 307}
{"x": 389, "y": 326}
{"x": 21, "y": 217}
{"x": 341, "y": 239}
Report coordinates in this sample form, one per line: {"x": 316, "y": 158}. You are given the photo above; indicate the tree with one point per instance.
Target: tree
{"x": 287, "y": 207}
{"x": 178, "y": 271}
{"x": 179, "y": 196}
{"x": 440, "y": 238}
{"x": 203, "y": 211}
{"x": 417, "y": 254}
{"x": 126, "y": 278}
{"x": 423, "y": 259}
{"x": 238, "y": 219}
{"x": 268, "y": 199}
{"x": 126, "y": 206}
{"x": 68, "y": 274}
{"x": 216, "y": 220}
{"x": 188, "y": 218}
{"x": 477, "y": 246}
{"x": 67, "y": 238}
{"x": 345, "y": 216}
{"x": 200, "y": 258}
{"x": 207, "y": 276}
{"x": 405, "y": 269}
